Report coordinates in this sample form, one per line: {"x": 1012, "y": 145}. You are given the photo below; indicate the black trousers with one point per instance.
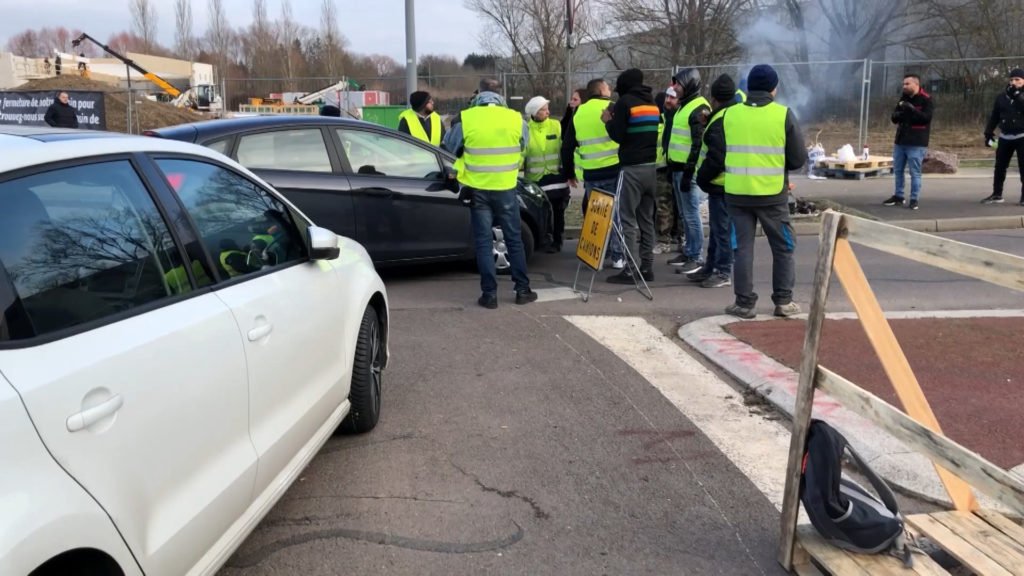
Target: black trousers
{"x": 558, "y": 194}
{"x": 1004, "y": 153}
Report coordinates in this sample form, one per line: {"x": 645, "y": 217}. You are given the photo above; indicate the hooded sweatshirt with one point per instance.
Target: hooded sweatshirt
{"x": 634, "y": 123}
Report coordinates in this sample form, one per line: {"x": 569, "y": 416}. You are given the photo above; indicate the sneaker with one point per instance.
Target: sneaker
{"x": 554, "y": 249}
{"x": 619, "y": 264}
{"x": 993, "y": 199}
{"x": 691, "y": 266}
{"x": 525, "y": 297}
{"x": 741, "y": 311}
{"x": 678, "y": 260}
{"x": 663, "y": 248}
{"x": 489, "y": 301}
{"x": 717, "y": 281}
{"x": 624, "y": 277}
{"x": 787, "y": 310}
{"x": 913, "y": 205}
{"x": 893, "y": 201}
{"x": 697, "y": 275}
{"x": 647, "y": 273}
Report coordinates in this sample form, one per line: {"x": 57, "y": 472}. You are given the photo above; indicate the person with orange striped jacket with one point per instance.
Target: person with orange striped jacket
{"x": 633, "y": 124}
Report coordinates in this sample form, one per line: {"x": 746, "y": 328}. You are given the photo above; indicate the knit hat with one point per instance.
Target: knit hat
{"x": 1017, "y": 73}
{"x": 628, "y": 80}
{"x": 671, "y": 92}
{"x": 330, "y": 110}
{"x": 417, "y": 100}
{"x": 762, "y": 78}
{"x": 534, "y": 105}
{"x": 723, "y": 88}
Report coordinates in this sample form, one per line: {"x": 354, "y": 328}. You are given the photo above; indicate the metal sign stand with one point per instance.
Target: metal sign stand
{"x": 631, "y": 264}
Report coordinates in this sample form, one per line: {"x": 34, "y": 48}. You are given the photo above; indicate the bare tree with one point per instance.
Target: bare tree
{"x": 332, "y": 39}
{"x": 219, "y": 36}
{"x": 184, "y": 41}
{"x": 288, "y": 34}
{"x": 144, "y": 20}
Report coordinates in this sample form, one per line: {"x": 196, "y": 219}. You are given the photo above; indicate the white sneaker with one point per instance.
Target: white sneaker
{"x": 662, "y": 248}
{"x": 619, "y": 264}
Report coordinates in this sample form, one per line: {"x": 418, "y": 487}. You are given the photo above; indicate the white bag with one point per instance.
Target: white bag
{"x": 846, "y": 154}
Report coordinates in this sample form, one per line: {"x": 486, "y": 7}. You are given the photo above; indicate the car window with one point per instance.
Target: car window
{"x": 383, "y": 155}
{"x": 244, "y": 227}
{"x": 220, "y": 145}
{"x": 302, "y": 150}
{"x": 82, "y": 243}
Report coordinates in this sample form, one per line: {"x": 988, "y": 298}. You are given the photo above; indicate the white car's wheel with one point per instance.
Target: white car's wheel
{"x": 367, "y": 376}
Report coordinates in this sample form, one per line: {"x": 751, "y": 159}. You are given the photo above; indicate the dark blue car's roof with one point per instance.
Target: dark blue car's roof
{"x": 208, "y": 129}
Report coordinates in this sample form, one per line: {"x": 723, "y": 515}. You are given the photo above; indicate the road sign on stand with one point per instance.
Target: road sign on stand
{"x": 598, "y": 227}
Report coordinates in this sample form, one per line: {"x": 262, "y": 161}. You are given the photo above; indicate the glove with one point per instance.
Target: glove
{"x": 989, "y": 138}
{"x": 466, "y": 196}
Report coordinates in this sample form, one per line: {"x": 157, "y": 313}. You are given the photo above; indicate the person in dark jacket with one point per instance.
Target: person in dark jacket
{"x": 422, "y": 105}
{"x": 717, "y": 269}
{"x": 684, "y": 140}
{"x": 1008, "y": 116}
{"x": 61, "y": 114}
{"x": 572, "y": 174}
{"x": 762, "y": 133}
{"x": 913, "y": 117}
{"x": 633, "y": 124}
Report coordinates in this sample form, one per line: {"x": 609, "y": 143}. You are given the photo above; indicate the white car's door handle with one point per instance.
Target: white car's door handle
{"x": 261, "y": 332}
{"x": 90, "y": 416}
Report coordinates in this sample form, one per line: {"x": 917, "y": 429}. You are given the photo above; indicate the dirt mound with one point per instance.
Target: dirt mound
{"x": 146, "y": 114}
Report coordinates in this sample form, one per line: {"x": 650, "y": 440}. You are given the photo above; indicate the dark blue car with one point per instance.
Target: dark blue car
{"x": 383, "y": 188}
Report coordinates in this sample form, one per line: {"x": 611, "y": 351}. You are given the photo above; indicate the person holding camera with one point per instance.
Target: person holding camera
{"x": 913, "y": 117}
{"x": 1008, "y": 116}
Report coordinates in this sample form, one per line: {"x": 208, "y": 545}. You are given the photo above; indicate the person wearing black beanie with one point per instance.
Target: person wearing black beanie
{"x": 761, "y": 142}
{"x": 420, "y": 121}
{"x": 1008, "y": 116}
{"x": 717, "y": 269}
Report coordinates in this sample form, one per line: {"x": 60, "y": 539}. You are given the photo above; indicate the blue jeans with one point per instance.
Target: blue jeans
{"x": 908, "y": 157}
{"x": 688, "y": 198}
{"x": 615, "y": 251}
{"x": 720, "y": 247}
{"x": 501, "y": 208}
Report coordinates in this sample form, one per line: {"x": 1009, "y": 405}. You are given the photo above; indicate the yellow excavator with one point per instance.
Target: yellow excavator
{"x": 163, "y": 84}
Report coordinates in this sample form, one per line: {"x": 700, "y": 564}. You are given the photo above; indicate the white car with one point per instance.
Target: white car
{"x": 176, "y": 343}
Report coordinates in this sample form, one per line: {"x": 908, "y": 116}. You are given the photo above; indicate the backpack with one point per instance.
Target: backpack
{"x": 843, "y": 512}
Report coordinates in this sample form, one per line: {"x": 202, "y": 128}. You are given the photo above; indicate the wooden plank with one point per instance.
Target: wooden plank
{"x": 830, "y": 223}
{"x": 1001, "y": 485}
{"x": 894, "y": 361}
{"x": 888, "y": 565}
{"x": 1002, "y": 523}
{"x": 959, "y": 548}
{"x": 838, "y": 562}
{"x": 988, "y": 540}
{"x": 802, "y": 564}
{"x": 976, "y": 262}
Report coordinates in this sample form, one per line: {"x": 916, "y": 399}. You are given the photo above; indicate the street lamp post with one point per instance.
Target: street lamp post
{"x": 410, "y": 48}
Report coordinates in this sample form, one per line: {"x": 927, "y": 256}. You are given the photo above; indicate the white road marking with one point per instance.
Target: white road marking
{"x": 758, "y": 447}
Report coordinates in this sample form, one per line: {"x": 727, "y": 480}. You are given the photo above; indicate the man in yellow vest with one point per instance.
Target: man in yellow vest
{"x": 761, "y": 143}
{"x": 489, "y": 142}
{"x": 683, "y": 150}
{"x": 717, "y": 269}
{"x": 599, "y": 154}
{"x": 543, "y": 166}
{"x": 420, "y": 121}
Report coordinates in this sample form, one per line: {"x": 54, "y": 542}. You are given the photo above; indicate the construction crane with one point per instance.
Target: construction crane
{"x": 163, "y": 84}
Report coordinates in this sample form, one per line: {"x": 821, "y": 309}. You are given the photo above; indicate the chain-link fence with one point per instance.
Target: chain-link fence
{"x": 838, "y": 102}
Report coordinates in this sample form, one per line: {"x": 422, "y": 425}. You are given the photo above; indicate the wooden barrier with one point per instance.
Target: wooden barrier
{"x": 984, "y": 541}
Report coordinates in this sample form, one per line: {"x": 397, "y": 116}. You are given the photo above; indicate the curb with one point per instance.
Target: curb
{"x": 906, "y": 470}
{"x": 940, "y": 225}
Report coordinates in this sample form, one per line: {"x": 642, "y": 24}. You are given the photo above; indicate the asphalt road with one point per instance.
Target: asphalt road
{"x": 511, "y": 442}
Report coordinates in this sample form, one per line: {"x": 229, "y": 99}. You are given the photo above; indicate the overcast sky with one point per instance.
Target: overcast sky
{"x": 371, "y": 26}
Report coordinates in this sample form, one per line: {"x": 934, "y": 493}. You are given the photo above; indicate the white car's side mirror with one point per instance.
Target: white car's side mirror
{"x": 323, "y": 244}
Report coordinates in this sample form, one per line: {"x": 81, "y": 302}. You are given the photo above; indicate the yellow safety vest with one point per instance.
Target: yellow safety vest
{"x": 597, "y": 149}
{"x": 542, "y": 152}
{"x": 743, "y": 95}
{"x": 412, "y": 119}
{"x": 681, "y": 140}
{"x": 720, "y": 179}
{"x": 492, "y": 148}
{"x": 755, "y": 151}
{"x": 661, "y": 162}
{"x": 227, "y": 267}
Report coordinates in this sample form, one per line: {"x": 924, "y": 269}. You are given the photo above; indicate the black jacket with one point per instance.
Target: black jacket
{"x": 714, "y": 163}
{"x": 913, "y": 116}
{"x": 60, "y": 115}
{"x": 634, "y": 126}
{"x": 403, "y": 126}
{"x": 796, "y": 156}
{"x": 569, "y": 145}
{"x": 1007, "y": 114}
{"x": 696, "y": 122}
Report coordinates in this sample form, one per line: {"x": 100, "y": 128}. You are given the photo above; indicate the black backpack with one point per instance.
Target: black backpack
{"x": 842, "y": 511}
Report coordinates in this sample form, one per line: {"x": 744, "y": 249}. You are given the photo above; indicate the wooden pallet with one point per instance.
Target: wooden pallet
{"x": 857, "y": 174}
{"x": 839, "y": 562}
{"x": 985, "y": 542}
{"x": 872, "y": 163}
